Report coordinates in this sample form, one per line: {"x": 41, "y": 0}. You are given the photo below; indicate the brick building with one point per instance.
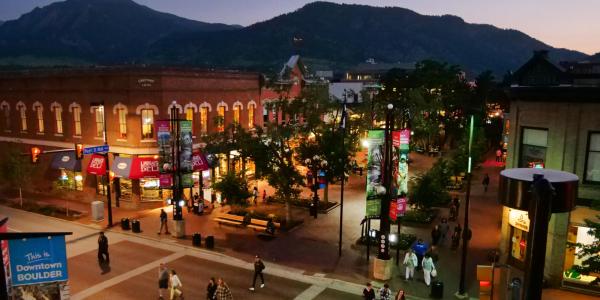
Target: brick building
{"x": 54, "y": 109}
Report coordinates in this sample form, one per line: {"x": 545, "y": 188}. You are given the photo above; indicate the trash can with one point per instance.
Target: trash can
{"x": 135, "y": 226}
{"x": 196, "y": 239}
{"x": 125, "y": 224}
{"x": 437, "y": 289}
{"x": 515, "y": 286}
{"x": 97, "y": 210}
{"x": 209, "y": 241}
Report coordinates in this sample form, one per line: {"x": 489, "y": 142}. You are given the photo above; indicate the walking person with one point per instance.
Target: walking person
{"x": 163, "y": 279}
{"x": 436, "y": 234}
{"x": 444, "y": 228}
{"x": 223, "y": 292}
{"x": 499, "y": 155}
{"x": 385, "y": 293}
{"x": 255, "y": 195}
{"x": 420, "y": 248}
{"x": 410, "y": 262}
{"x": 163, "y": 222}
{"x": 211, "y": 289}
{"x": 264, "y": 196}
{"x": 176, "y": 286}
{"x": 485, "y": 182}
{"x": 259, "y": 266}
{"x": 103, "y": 256}
{"x": 428, "y": 267}
{"x": 369, "y": 292}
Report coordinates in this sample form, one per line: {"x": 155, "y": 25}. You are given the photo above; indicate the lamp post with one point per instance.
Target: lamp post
{"x": 467, "y": 231}
{"x": 343, "y": 128}
{"x": 100, "y": 106}
{"x": 314, "y": 164}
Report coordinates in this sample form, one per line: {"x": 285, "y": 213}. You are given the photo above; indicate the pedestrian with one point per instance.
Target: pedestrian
{"x": 410, "y": 262}
{"x": 176, "y": 286}
{"x": 499, "y": 155}
{"x": 255, "y": 195}
{"x": 385, "y": 293}
{"x": 428, "y": 268}
{"x": 456, "y": 236}
{"x": 420, "y": 249}
{"x": 456, "y": 203}
{"x": 259, "y": 266}
{"x": 211, "y": 289}
{"x": 264, "y": 196}
{"x": 196, "y": 203}
{"x": 369, "y": 292}
{"x": 400, "y": 295}
{"x": 453, "y": 212}
{"x": 223, "y": 292}
{"x": 436, "y": 234}
{"x": 163, "y": 279}
{"x": 444, "y": 228}
{"x": 485, "y": 182}
{"x": 163, "y": 222}
{"x": 103, "y": 248}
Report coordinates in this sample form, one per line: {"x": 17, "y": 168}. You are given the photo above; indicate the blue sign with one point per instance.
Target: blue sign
{"x": 38, "y": 260}
{"x": 92, "y": 150}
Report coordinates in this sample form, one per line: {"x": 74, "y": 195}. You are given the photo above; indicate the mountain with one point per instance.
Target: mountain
{"x": 97, "y": 31}
{"x": 595, "y": 57}
{"x": 342, "y": 35}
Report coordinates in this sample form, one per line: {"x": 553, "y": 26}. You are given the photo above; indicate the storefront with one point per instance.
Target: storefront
{"x": 144, "y": 170}
{"x": 578, "y": 232}
{"x": 69, "y": 177}
{"x": 518, "y": 221}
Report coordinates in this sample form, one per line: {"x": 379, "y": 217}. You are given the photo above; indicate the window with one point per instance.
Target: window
{"x": 6, "y": 119}
{"x": 39, "y": 114}
{"x": 122, "y": 114}
{"x": 204, "y": 120}
{"x": 23, "y": 116}
{"x": 147, "y": 124}
{"x": 77, "y": 120}
{"x": 592, "y": 159}
{"x": 251, "y": 109}
{"x": 59, "y": 120}
{"x": 221, "y": 118}
{"x": 534, "y": 143}
{"x": 236, "y": 114}
{"x": 265, "y": 115}
{"x": 189, "y": 115}
{"x": 99, "y": 113}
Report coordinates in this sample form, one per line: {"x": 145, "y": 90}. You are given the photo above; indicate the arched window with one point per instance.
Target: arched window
{"x": 251, "y": 112}
{"x": 57, "y": 109}
{"x": 121, "y": 111}
{"x": 39, "y": 115}
{"x": 147, "y": 112}
{"x": 204, "y": 110}
{"x": 6, "y": 110}
{"x": 22, "y": 115}
{"x": 237, "y": 107}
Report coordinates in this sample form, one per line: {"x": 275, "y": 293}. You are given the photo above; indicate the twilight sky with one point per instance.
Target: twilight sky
{"x": 572, "y": 24}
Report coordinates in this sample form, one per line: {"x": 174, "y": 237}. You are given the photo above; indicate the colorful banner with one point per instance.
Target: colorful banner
{"x": 401, "y": 206}
{"x": 199, "y": 162}
{"x": 144, "y": 167}
{"x": 166, "y": 181}
{"x": 165, "y": 154}
{"x": 401, "y": 147}
{"x": 186, "y": 144}
{"x": 97, "y": 165}
{"x": 187, "y": 180}
{"x": 38, "y": 260}
{"x": 404, "y": 140}
{"x": 393, "y": 211}
{"x": 375, "y": 169}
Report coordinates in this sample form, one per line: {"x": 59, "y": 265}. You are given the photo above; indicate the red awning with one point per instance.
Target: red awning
{"x": 97, "y": 165}
{"x": 144, "y": 167}
{"x": 199, "y": 162}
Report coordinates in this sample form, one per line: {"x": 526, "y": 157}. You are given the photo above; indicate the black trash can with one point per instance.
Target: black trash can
{"x": 196, "y": 239}
{"x": 437, "y": 289}
{"x": 515, "y": 286}
{"x": 125, "y": 224}
{"x": 209, "y": 241}
{"x": 135, "y": 226}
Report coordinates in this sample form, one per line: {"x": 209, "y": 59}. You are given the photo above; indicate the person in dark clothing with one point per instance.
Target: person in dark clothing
{"x": 103, "y": 248}
{"x": 369, "y": 292}
{"x": 270, "y": 227}
{"x": 485, "y": 182}
{"x": 163, "y": 279}
{"x": 163, "y": 222}
{"x": 456, "y": 203}
{"x": 259, "y": 266}
{"x": 436, "y": 234}
{"x": 211, "y": 289}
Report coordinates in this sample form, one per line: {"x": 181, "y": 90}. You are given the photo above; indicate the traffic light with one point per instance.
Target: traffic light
{"x": 35, "y": 154}
{"x": 79, "y": 151}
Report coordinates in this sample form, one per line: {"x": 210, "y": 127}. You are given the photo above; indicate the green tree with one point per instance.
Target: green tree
{"x": 590, "y": 253}
{"x": 17, "y": 170}
{"x": 234, "y": 188}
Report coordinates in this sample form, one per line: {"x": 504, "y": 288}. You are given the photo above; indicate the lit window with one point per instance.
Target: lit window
{"x": 534, "y": 145}
{"x": 221, "y": 118}
{"x": 147, "y": 123}
{"x": 592, "y": 166}
{"x": 204, "y": 119}
{"x": 265, "y": 115}
{"x": 99, "y": 113}
{"x": 189, "y": 115}
{"x": 77, "y": 120}
{"x": 59, "y": 120}
{"x": 236, "y": 114}
{"x": 251, "y": 109}
{"x": 122, "y": 122}
{"x": 23, "y": 115}
{"x": 39, "y": 113}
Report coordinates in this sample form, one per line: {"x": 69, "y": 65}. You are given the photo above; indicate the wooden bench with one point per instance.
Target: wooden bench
{"x": 260, "y": 225}
{"x": 229, "y": 219}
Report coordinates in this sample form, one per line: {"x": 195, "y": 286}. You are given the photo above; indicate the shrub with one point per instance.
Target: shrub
{"x": 234, "y": 188}
{"x": 423, "y": 216}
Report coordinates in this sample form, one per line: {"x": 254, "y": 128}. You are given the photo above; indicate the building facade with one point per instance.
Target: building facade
{"x": 56, "y": 109}
{"x": 554, "y": 123}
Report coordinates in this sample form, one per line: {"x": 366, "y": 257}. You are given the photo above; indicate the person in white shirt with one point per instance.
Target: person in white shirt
{"x": 410, "y": 262}
{"x": 176, "y": 286}
{"x": 428, "y": 267}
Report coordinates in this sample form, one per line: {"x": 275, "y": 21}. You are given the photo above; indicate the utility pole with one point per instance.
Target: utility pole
{"x": 343, "y": 128}
{"x": 467, "y": 231}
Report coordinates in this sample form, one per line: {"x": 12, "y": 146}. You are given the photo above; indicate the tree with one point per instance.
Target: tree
{"x": 590, "y": 253}
{"x": 17, "y": 170}
{"x": 234, "y": 188}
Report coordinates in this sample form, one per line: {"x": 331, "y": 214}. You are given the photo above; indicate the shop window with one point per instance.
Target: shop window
{"x": 204, "y": 120}
{"x": 580, "y": 235}
{"x": 150, "y": 189}
{"x": 221, "y": 118}
{"x": 125, "y": 185}
{"x": 39, "y": 114}
{"x": 592, "y": 158}
{"x": 70, "y": 180}
{"x": 236, "y": 114}
{"x": 534, "y": 144}
{"x": 77, "y": 120}
{"x": 147, "y": 124}
{"x": 99, "y": 115}
{"x": 518, "y": 221}
{"x": 251, "y": 109}
{"x": 122, "y": 114}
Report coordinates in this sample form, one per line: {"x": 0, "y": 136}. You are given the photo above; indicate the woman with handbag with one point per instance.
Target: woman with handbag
{"x": 428, "y": 269}
{"x": 176, "y": 286}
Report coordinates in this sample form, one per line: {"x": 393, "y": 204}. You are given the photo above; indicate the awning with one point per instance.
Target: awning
{"x": 66, "y": 160}
{"x": 199, "y": 162}
{"x": 97, "y": 165}
{"x": 121, "y": 166}
{"x": 144, "y": 167}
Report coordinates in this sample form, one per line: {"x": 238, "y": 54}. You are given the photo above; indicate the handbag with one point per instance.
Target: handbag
{"x": 434, "y": 273}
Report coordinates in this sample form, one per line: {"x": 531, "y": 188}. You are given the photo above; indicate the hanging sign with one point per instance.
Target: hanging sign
{"x": 166, "y": 181}
{"x": 518, "y": 219}
{"x": 97, "y": 165}
{"x": 165, "y": 154}
{"x": 38, "y": 260}
{"x": 186, "y": 144}
{"x": 401, "y": 206}
{"x": 393, "y": 211}
{"x": 199, "y": 162}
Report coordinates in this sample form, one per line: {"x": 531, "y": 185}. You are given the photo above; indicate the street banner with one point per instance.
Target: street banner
{"x": 121, "y": 166}
{"x": 165, "y": 154}
{"x": 402, "y": 178}
{"x": 401, "y": 206}
{"x": 199, "y": 162}
{"x": 393, "y": 211}
{"x": 401, "y": 140}
{"x": 144, "y": 167}
{"x": 404, "y": 140}
{"x": 97, "y": 165}
{"x": 166, "y": 181}
{"x": 375, "y": 189}
{"x": 187, "y": 180}
{"x": 38, "y": 260}
{"x": 4, "y": 250}
{"x": 186, "y": 144}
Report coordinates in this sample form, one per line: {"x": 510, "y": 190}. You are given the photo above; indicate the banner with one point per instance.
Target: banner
{"x": 4, "y": 251}
{"x": 186, "y": 144}
{"x": 401, "y": 147}
{"x": 393, "y": 211}
{"x": 97, "y": 165}
{"x": 199, "y": 162}
{"x": 165, "y": 153}
{"x": 38, "y": 260}
{"x": 401, "y": 206}
{"x": 375, "y": 188}
{"x": 144, "y": 167}
{"x": 187, "y": 180}
{"x": 166, "y": 181}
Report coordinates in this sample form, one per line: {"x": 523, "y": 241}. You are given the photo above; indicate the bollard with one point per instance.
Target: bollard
{"x": 196, "y": 239}
{"x": 209, "y": 242}
{"x": 125, "y": 224}
{"x": 135, "y": 226}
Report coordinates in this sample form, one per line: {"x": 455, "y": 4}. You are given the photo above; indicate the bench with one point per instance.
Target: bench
{"x": 260, "y": 225}
{"x": 229, "y": 219}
